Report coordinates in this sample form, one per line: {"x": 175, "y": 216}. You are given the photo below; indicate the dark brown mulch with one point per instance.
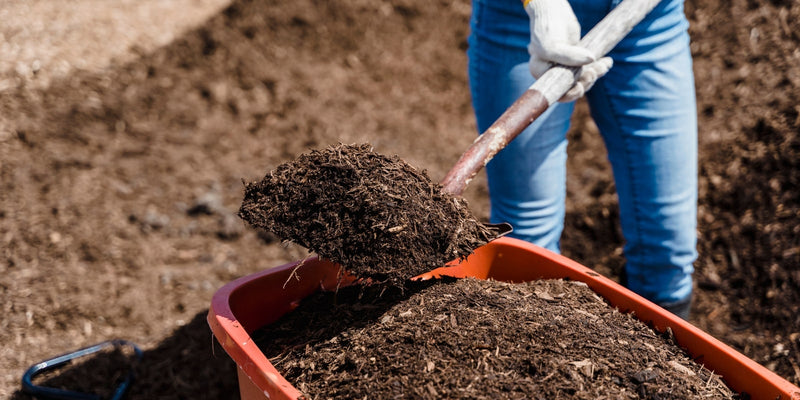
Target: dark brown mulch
{"x": 477, "y": 339}
{"x": 377, "y": 215}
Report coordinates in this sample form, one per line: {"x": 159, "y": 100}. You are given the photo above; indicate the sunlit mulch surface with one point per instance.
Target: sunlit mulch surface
{"x": 479, "y": 339}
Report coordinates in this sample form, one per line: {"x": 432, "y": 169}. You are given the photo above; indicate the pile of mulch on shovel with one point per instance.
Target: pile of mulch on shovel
{"x": 376, "y": 215}
{"x": 548, "y": 339}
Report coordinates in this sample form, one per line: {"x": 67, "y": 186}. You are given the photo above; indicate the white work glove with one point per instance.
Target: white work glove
{"x": 555, "y": 34}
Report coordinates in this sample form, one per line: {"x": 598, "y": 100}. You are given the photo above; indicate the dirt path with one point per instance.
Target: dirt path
{"x": 42, "y": 40}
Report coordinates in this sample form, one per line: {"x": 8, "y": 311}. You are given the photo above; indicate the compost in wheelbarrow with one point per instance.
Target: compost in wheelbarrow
{"x": 244, "y": 306}
{"x": 472, "y": 338}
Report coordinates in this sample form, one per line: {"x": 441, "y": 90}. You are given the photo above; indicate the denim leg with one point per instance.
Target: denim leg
{"x": 645, "y": 110}
{"x": 527, "y": 179}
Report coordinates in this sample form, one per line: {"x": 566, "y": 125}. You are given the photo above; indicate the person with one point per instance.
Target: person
{"x": 644, "y": 106}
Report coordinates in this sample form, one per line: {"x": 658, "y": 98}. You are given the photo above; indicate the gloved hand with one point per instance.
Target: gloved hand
{"x": 555, "y": 34}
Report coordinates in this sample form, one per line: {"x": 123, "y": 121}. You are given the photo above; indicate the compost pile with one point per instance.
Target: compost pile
{"x": 376, "y": 215}
{"x": 468, "y": 338}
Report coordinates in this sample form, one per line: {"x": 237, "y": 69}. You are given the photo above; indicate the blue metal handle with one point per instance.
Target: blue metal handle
{"x": 60, "y": 394}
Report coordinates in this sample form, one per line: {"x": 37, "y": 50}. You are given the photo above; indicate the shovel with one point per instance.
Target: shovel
{"x": 550, "y": 87}
{"x": 368, "y": 228}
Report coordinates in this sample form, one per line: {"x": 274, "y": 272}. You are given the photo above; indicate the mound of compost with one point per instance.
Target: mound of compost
{"x": 477, "y": 339}
{"x": 376, "y": 215}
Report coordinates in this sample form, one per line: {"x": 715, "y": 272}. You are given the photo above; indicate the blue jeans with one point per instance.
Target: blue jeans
{"x": 645, "y": 110}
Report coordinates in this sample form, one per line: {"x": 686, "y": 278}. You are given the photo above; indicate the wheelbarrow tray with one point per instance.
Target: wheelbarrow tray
{"x": 252, "y": 302}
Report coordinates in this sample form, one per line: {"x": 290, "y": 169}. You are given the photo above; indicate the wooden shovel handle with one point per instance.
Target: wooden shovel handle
{"x": 545, "y": 91}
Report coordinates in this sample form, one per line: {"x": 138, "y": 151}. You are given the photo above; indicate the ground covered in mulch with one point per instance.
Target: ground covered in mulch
{"x": 121, "y": 173}
{"x": 377, "y": 216}
{"x": 478, "y": 339}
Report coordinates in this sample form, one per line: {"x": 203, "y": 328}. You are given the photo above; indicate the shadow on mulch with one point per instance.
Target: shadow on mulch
{"x": 189, "y": 364}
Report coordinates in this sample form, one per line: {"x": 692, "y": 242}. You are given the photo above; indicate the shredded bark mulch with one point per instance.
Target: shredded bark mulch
{"x": 476, "y": 339}
{"x": 376, "y": 215}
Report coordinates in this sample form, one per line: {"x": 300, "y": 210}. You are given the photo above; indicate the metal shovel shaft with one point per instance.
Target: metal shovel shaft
{"x": 545, "y": 91}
